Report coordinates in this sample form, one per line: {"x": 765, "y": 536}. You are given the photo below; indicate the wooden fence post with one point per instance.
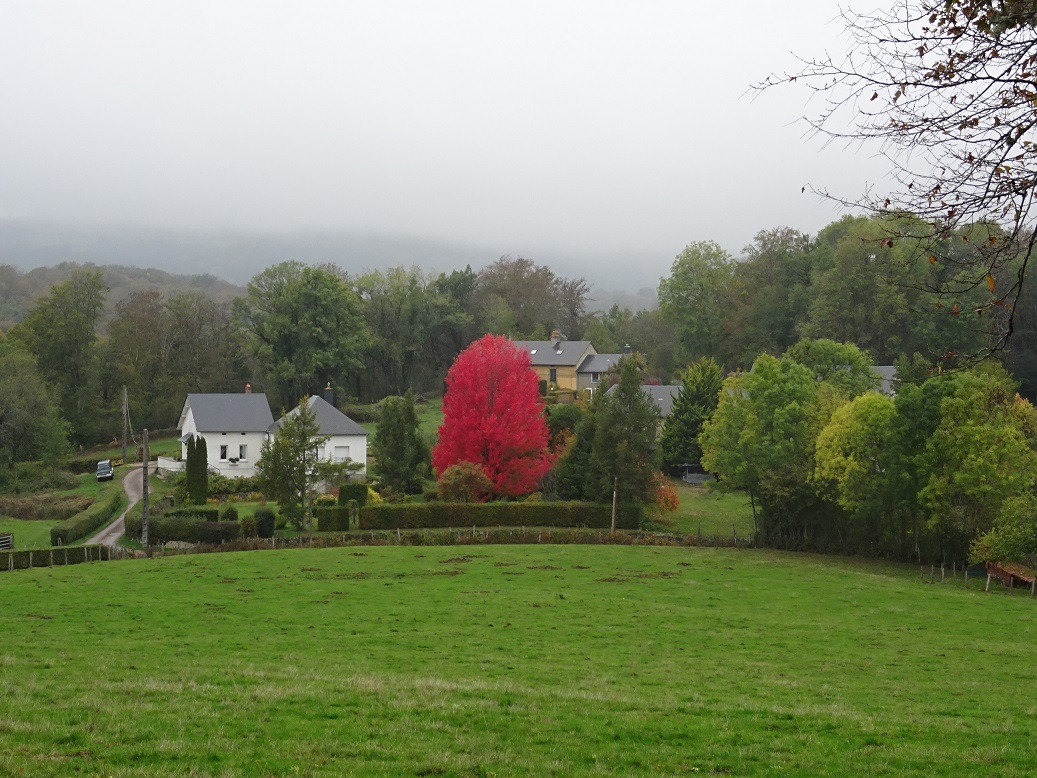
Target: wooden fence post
{"x": 987, "y": 589}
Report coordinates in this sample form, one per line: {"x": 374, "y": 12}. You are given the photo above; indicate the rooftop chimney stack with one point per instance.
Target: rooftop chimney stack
{"x": 329, "y": 394}
{"x": 626, "y": 348}
{"x": 248, "y": 388}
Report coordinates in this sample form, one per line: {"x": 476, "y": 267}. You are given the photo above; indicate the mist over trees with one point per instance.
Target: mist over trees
{"x": 297, "y": 327}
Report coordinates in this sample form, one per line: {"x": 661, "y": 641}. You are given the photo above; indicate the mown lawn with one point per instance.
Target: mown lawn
{"x": 27, "y": 534}
{"x": 512, "y": 660}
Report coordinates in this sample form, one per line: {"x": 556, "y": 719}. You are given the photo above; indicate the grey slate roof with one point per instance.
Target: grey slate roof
{"x": 599, "y": 363}
{"x": 331, "y": 420}
{"x": 663, "y": 395}
{"x": 888, "y": 374}
{"x": 549, "y": 354}
{"x": 242, "y": 412}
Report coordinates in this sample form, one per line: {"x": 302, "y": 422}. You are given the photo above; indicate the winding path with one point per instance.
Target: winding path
{"x": 133, "y": 484}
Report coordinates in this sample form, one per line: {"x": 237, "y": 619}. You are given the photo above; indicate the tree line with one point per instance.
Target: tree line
{"x": 297, "y": 327}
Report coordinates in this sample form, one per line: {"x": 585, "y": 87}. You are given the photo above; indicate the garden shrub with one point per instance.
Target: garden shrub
{"x": 72, "y": 555}
{"x": 265, "y": 522}
{"x": 496, "y": 514}
{"x": 353, "y": 491}
{"x": 44, "y": 507}
{"x": 86, "y": 521}
{"x": 202, "y": 512}
{"x": 332, "y": 518}
{"x": 162, "y": 529}
{"x": 229, "y": 513}
{"x": 249, "y": 527}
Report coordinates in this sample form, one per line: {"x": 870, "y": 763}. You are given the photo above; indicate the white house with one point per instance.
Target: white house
{"x": 234, "y": 427}
{"x": 347, "y": 440}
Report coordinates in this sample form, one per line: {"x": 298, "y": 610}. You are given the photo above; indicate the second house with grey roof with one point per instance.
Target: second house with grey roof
{"x": 235, "y": 426}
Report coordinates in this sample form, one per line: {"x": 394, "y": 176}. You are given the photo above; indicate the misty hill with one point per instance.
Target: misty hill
{"x": 19, "y": 290}
{"x": 237, "y": 256}
{"x": 229, "y": 255}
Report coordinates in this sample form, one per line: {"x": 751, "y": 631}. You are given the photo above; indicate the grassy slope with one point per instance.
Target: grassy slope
{"x": 430, "y": 416}
{"x": 27, "y": 534}
{"x": 715, "y": 513}
{"x": 36, "y": 534}
{"x": 511, "y": 661}
{"x": 166, "y": 446}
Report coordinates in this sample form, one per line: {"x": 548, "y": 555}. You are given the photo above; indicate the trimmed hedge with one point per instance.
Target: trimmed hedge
{"x": 74, "y": 555}
{"x": 162, "y": 529}
{"x": 265, "y": 521}
{"x": 497, "y": 514}
{"x": 352, "y": 491}
{"x": 199, "y": 512}
{"x": 87, "y": 521}
{"x": 332, "y": 518}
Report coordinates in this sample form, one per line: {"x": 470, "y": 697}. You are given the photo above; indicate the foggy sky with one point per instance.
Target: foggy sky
{"x": 596, "y": 137}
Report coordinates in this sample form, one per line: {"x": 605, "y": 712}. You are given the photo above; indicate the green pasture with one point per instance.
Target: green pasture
{"x": 27, "y": 534}
{"x": 430, "y": 416}
{"x": 512, "y": 660}
{"x": 709, "y": 511}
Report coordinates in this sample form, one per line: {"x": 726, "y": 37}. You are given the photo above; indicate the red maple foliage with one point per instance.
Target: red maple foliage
{"x": 493, "y": 416}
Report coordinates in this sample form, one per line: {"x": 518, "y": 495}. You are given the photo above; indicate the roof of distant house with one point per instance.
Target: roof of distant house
{"x": 238, "y": 412}
{"x": 888, "y": 374}
{"x": 555, "y": 353}
{"x": 662, "y": 395}
{"x": 599, "y": 363}
{"x": 330, "y": 419}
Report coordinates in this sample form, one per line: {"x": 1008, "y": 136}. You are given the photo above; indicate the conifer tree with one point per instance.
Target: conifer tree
{"x": 623, "y": 455}
{"x": 398, "y": 447}
{"x": 696, "y": 401}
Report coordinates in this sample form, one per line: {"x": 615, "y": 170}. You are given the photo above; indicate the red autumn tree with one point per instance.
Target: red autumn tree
{"x": 493, "y": 416}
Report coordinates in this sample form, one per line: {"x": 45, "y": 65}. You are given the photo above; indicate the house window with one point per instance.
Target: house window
{"x": 595, "y": 377}
{"x": 243, "y": 451}
{"x": 320, "y": 452}
{"x": 223, "y": 452}
{"x": 554, "y": 375}
{"x": 341, "y": 453}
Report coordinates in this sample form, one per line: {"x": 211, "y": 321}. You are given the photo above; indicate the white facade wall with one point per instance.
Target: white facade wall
{"x": 339, "y": 446}
{"x": 220, "y": 460}
{"x": 335, "y": 449}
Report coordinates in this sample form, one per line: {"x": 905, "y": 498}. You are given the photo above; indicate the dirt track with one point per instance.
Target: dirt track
{"x": 133, "y": 484}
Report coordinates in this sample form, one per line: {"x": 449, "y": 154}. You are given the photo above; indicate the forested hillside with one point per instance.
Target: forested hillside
{"x": 87, "y": 331}
{"x": 19, "y": 290}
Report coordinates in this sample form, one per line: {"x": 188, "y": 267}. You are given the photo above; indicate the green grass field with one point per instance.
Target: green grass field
{"x": 27, "y": 534}
{"x": 36, "y": 534}
{"x": 430, "y": 416}
{"x": 512, "y": 660}
{"x": 711, "y": 512}
{"x": 164, "y": 446}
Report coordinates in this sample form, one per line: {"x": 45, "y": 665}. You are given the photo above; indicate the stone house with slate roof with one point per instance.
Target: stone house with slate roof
{"x": 555, "y": 361}
{"x": 235, "y": 426}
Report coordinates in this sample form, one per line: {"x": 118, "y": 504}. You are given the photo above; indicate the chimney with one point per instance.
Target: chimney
{"x": 329, "y": 394}
{"x": 556, "y": 341}
{"x": 248, "y": 388}
{"x": 626, "y": 348}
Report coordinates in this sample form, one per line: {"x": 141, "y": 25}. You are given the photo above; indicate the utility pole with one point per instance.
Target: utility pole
{"x": 615, "y": 489}
{"x": 125, "y": 422}
{"x": 144, "y": 497}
